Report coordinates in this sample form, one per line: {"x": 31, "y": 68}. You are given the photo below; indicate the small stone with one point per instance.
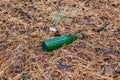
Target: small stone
{"x": 107, "y": 70}
{"x": 83, "y": 36}
{"x": 100, "y": 29}
{"x": 17, "y": 69}
{"x": 62, "y": 66}
{"x": 117, "y": 70}
{"x": 102, "y": 70}
{"x": 107, "y": 51}
{"x": 82, "y": 45}
{"x": 33, "y": 58}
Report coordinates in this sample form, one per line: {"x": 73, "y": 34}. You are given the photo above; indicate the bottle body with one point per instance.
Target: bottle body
{"x": 55, "y": 43}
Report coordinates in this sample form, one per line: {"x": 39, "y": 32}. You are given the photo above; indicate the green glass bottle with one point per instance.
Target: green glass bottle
{"x": 55, "y": 43}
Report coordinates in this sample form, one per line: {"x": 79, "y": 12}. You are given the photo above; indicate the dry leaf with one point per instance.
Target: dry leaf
{"x": 1, "y": 60}
{"x": 75, "y": 73}
{"x": 53, "y": 29}
{"x": 87, "y": 72}
{"x": 39, "y": 25}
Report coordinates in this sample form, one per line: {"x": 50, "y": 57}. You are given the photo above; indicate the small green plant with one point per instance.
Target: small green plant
{"x": 63, "y": 16}
{"x": 58, "y": 17}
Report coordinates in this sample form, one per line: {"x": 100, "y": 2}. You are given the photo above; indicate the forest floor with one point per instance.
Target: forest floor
{"x": 24, "y": 24}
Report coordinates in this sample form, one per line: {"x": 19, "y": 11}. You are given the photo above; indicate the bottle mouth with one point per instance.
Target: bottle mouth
{"x": 44, "y": 46}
